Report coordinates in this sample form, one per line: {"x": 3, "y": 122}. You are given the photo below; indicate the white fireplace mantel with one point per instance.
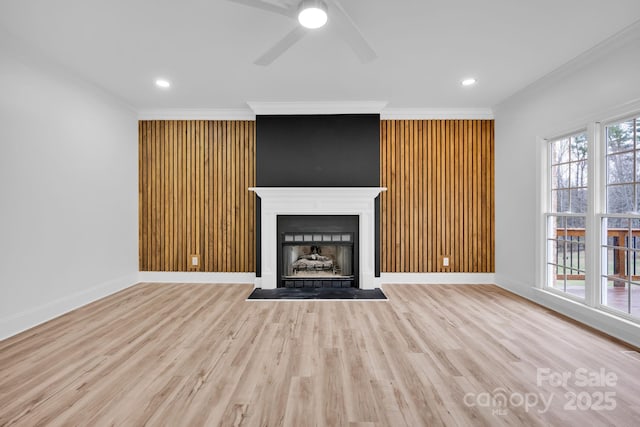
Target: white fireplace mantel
{"x": 317, "y": 201}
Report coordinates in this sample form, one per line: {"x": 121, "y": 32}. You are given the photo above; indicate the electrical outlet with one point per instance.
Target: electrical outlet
{"x": 445, "y": 261}
{"x": 195, "y": 260}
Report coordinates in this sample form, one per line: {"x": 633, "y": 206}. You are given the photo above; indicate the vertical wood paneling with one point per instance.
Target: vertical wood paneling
{"x": 440, "y": 198}
{"x": 193, "y": 197}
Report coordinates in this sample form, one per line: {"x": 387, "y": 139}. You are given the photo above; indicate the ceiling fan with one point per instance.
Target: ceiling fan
{"x": 343, "y": 23}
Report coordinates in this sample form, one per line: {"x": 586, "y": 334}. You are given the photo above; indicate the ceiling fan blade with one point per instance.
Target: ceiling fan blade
{"x": 351, "y": 33}
{"x": 269, "y": 7}
{"x": 279, "y": 48}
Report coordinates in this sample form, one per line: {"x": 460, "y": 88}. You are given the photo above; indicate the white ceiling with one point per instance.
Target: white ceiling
{"x": 206, "y": 48}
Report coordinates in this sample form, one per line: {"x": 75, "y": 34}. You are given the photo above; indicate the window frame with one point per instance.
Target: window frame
{"x": 596, "y": 262}
{"x": 547, "y": 186}
{"x": 600, "y": 284}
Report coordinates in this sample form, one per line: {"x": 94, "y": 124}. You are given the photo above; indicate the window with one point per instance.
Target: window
{"x": 566, "y": 214}
{"x": 620, "y": 241}
{"x": 591, "y": 226}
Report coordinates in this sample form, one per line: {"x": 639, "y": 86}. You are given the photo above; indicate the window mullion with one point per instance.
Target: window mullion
{"x": 633, "y": 166}
{"x": 592, "y": 226}
{"x": 628, "y": 270}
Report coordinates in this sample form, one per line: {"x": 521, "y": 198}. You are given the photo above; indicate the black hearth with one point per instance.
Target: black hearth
{"x": 318, "y": 251}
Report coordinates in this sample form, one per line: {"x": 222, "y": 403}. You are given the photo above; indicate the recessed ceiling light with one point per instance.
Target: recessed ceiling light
{"x": 312, "y": 13}
{"x": 469, "y": 82}
{"x": 163, "y": 83}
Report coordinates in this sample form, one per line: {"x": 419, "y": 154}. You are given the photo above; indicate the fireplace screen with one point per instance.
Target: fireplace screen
{"x": 321, "y": 257}
{"x": 318, "y": 251}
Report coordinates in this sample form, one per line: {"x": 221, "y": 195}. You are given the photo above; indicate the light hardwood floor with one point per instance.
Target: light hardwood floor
{"x": 191, "y": 355}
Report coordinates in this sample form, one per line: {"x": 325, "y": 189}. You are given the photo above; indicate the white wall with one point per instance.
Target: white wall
{"x": 68, "y": 193}
{"x": 599, "y": 84}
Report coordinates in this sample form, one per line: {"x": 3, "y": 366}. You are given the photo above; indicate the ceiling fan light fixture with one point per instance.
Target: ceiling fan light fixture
{"x": 312, "y": 13}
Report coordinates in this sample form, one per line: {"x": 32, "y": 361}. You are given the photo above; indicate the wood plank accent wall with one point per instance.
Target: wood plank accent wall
{"x": 440, "y": 198}
{"x": 193, "y": 197}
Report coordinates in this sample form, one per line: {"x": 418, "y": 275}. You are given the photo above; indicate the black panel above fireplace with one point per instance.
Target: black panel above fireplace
{"x": 318, "y": 150}
{"x": 318, "y": 251}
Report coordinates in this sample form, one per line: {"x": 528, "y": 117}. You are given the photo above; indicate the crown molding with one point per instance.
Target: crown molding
{"x": 297, "y": 108}
{"x": 197, "y": 114}
{"x": 620, "y": 40}
{"x": 17, "y": 49}
{"x": 320, "y": 107}
{"x": 437, "y": 113}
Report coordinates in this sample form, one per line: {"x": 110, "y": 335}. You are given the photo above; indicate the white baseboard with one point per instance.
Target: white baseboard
{"x": 250, "y": 278}
{"x": 610, "y": 324}
{"x": 196, "y": 277}
{"x": 19, "y": 322}
{"x": 438, "y": 278}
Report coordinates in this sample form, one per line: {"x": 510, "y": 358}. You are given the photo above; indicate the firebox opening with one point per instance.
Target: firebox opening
{"x": 317, "y": 251}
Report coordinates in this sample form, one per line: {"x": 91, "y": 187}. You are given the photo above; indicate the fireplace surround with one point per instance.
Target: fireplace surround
{"x": 318, "y": 201}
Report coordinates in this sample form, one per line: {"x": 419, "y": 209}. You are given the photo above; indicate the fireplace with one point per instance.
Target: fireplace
{"x": 317, "y": 251}
{"x": 317, "y": 202}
